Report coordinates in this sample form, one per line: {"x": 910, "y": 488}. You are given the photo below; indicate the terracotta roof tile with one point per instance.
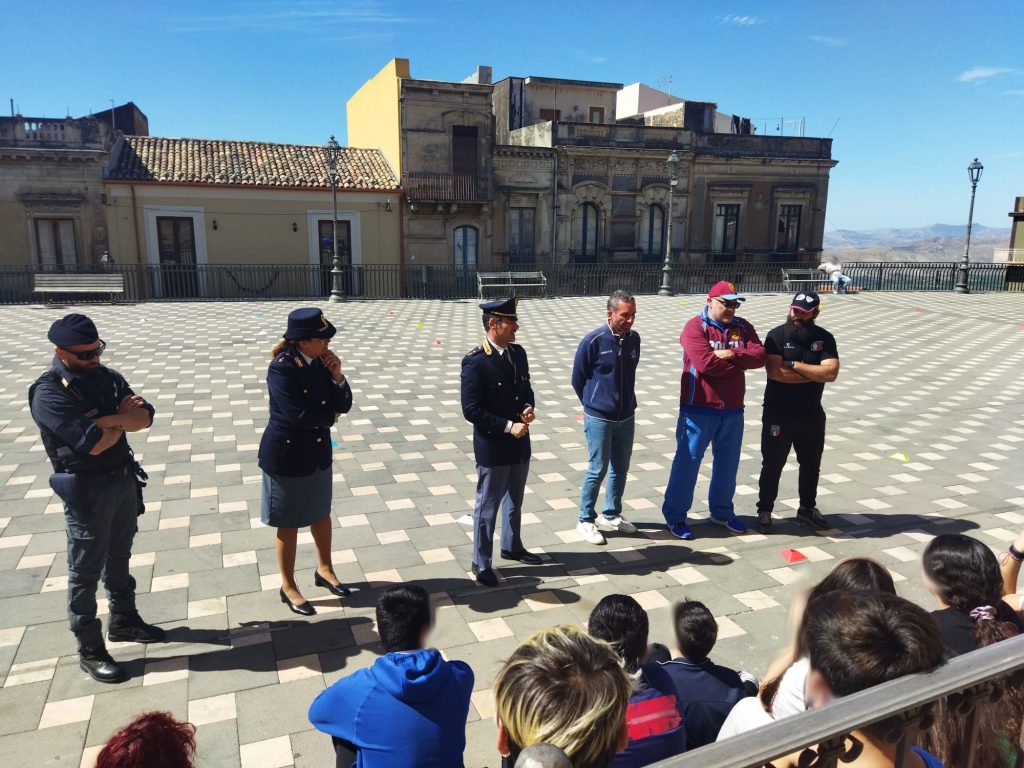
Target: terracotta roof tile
{"x": 255, "y": 163}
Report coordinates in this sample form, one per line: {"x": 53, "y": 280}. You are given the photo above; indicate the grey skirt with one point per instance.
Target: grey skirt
{"x": 295, "y": 502}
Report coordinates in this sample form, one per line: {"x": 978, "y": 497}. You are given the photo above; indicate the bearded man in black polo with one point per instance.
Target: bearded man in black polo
{"x": 800, "y": 358}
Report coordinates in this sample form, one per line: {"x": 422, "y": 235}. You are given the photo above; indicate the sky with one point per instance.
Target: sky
{"x": 910, "y": 91}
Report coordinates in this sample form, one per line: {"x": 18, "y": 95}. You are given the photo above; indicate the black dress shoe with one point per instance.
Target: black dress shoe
{"x": 522, "y": 556}
{"x": 485, "y": 576}
{"x": 101, "y": 666}
{"x": 128, "y": 627}
{"x": 340, "y": 590}
{"x": 303, "y": 609}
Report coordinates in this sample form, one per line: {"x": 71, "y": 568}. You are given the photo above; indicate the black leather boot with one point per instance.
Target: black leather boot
{"x": 101, "y": 666}
{"x": 129, "y": 627}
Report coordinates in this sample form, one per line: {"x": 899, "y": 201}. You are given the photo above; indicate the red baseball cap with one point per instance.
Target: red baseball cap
{"x": 724, "y": 290}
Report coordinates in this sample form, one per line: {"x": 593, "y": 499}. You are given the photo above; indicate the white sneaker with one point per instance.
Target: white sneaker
{"x": 589, "y": 533}
{"x": 617, "y": 523}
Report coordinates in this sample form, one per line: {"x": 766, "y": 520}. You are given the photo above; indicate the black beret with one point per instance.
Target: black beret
{"x": 71, "y": 330}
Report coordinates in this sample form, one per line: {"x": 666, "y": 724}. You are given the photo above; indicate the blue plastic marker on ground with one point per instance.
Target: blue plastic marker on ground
{"x": 334, "y": 443}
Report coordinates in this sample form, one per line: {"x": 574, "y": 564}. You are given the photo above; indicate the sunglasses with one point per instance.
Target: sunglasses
{"x": 729, "y": 304}
{"x": 88, "y": 354}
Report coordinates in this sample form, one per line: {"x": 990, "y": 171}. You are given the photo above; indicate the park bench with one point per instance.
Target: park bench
{"x": 510, "y": 281}
{"x": 807, "y": 279}
{"x": 73, "y": 282}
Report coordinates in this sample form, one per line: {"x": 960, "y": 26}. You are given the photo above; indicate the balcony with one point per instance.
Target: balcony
{"x": 1008, "y": 256}
{"x": 446, "y": 188}
{"x": 550, "y": 134}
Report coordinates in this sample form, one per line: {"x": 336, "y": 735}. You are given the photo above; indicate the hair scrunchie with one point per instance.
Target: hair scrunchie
{"x": 984, "y": 613}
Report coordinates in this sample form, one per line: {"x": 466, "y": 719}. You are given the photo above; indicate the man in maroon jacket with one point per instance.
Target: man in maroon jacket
{"x": 718, "y": 348}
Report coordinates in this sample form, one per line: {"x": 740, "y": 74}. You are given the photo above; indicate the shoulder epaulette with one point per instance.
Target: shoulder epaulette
{"x": 474, "y": 352}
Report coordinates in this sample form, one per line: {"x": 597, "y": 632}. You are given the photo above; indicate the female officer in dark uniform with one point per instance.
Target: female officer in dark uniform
{"x": 307, "y": 394}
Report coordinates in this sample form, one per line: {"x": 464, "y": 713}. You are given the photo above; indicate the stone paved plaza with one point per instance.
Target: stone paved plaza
{"x": 925, "y": 428}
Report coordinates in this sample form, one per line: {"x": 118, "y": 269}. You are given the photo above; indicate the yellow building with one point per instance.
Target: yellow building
{"x": 184, "y": 206}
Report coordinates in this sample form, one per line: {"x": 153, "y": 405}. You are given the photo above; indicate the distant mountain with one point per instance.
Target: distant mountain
{"x": 938, "y": 242}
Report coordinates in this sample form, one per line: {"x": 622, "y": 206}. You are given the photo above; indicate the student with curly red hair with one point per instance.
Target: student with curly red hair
{"x": 152, "y": 740}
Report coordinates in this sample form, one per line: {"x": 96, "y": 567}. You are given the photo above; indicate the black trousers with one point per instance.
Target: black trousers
{"x": 781, "y": 431}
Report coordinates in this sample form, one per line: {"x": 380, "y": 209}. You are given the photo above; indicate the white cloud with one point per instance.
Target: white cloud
{"x": 1016, "y": 92}
{"x": 977, "y": 74}
{"x": 831, "y": 42}
{"x": 312, "y": 17}
{"x": 740, "y": 21}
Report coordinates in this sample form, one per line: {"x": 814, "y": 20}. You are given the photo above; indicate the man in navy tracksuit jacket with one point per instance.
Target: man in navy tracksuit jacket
{"x": 604, "y": 377}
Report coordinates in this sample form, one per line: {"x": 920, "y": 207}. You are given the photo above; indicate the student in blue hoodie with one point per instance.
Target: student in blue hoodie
{"x": 409, "y": 709}
{"x": 604, "y": 377}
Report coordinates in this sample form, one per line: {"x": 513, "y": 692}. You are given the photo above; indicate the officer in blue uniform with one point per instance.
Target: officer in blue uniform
{"x": 83, "y": 410}
{"x": 498, "y": 400}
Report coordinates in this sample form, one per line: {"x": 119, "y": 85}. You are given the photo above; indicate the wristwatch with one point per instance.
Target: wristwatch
{"x": 790, "y": 363}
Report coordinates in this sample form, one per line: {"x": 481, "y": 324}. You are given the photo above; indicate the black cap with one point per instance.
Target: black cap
{"x": 308, "y": 323}
{"x": 71, "y": 330}
{"x": 501, "y": 308}
{"x": 806, "y": 301}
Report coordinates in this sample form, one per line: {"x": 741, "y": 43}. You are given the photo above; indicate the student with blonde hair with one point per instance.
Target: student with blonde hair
{"x": 564, "y": 688}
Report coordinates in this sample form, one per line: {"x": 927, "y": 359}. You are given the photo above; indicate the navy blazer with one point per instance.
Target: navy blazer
{"x": 495, "y": 392}
{"x": 304, "y": 404}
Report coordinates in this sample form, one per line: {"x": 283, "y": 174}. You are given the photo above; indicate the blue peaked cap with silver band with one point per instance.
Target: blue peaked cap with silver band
{"x": 308, "y": 323}
{"x": 504, "y": 309}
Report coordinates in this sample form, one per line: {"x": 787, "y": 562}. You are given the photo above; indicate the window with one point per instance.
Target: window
{"x": 787, "y": 237}
{"x": 550, "y": 114}
{"x": 589, "y": 218}
{"x": 655, "y": 231}
{"x": 55, "y": 243}
{"x": 176, "y": 241}
{"x": 727, "y": 225}
{"x": 464, "y": 149}
{"x": 520, "y": 236}
{"x": 465, "y": 247}
{"x": 325, "y": 234}
{"x": 597, "y": 114}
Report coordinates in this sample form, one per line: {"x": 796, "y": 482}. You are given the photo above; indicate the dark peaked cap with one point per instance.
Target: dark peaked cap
{"x": 71, "y": 330}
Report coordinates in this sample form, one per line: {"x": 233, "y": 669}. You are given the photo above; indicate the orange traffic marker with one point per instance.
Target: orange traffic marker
{"x": 793, "y": 556}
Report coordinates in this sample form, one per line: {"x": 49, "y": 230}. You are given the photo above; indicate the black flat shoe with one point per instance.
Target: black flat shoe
{"x": 485, "y": 576}
{"x": 339, "y": 590}
{"x": 522, "y": 556}
{"x": 305, "y": 609}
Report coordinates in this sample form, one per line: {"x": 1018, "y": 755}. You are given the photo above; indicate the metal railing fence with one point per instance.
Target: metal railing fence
{"x": 234, "y": 282}
{"x": 967, "y": 681}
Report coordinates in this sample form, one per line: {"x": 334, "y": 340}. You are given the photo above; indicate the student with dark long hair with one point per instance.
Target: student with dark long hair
{"x": 975, "y": 611}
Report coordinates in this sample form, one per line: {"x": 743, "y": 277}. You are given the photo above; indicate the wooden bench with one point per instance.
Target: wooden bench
{"x": 510, "y": 281}
{"x": 805, "y": 278}
{"x": 75, "y": 282}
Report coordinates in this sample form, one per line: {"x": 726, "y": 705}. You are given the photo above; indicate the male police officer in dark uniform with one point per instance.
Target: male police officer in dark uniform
{"x": 498, "y": 400}
{"x": 83, "y": 411}
{"x": 800, "y": 357}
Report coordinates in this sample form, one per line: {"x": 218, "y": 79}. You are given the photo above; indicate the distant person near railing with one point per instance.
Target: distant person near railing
{"x": 834, "y": 271}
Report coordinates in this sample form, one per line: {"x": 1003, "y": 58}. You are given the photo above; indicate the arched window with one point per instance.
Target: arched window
{"x": 655, "y": 232}
{"x": 589, "y": 218}
{"x": 464, "y": 249}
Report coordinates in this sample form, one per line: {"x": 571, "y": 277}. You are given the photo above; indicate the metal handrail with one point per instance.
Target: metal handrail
{"x": 897, "y": 697}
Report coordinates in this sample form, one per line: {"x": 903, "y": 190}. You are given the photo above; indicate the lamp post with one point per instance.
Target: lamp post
{"x": 666, "y": 271}
{"x": 333, "y": 149}
{"x": 964, "y": 270}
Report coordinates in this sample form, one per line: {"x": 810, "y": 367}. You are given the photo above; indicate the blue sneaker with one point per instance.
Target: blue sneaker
{"x": 681, "y": 531}
{"x": 735, "y": 525}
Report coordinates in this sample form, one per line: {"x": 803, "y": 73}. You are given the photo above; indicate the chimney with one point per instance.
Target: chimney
{"x": 482, "y": 76}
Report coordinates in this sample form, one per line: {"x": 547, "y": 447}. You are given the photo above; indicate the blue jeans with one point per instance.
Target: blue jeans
{"x": 839, "y": 282}
{"x": 502, "y": 486}
{"x": 697, "y": 428}
{"x": 609, "y": 443}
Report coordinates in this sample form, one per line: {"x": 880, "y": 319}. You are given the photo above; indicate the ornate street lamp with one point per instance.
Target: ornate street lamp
{"x": 672, "y": 164}
{"x": 964, "y": 270}
{"x": 333, "y": 150}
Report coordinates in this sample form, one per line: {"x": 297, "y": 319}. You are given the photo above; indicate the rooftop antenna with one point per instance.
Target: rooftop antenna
{"x": 827, "y": 135}
{"x": 12, "y": 107}
{"x": 667, "y": 82}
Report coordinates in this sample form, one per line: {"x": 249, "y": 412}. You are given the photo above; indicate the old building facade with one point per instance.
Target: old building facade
{"x": 179, "y": 205}
{"x": 53, "y": 209}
